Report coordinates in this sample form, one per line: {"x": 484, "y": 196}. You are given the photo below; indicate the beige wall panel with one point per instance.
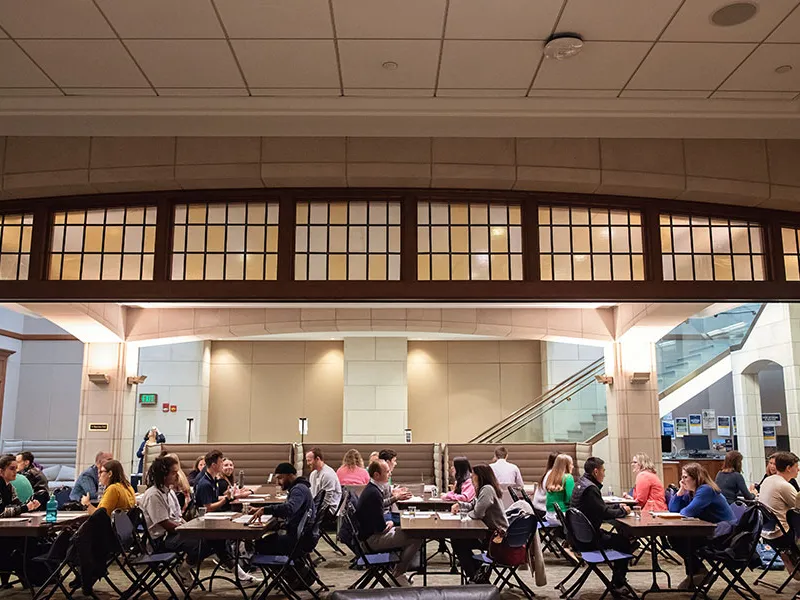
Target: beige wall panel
{"x": 229, "y": 402}
{"x": 428, "y": 409}
{"x": 329, "y": 352}
{"x": 232, "y": 353}
{"x": 324, "y": 399}
{"x": 276, "y": 353}
{"x": 276, "y": 402}
{"x": 520, "y": 384}
{"x": 520, "y": 351}
{"x": 473, "y": 352}
{"x": 474, "y": 399}
{"x": 427, "y": 352}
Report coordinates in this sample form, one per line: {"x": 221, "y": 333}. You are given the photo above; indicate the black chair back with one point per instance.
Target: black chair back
{"x": 512, "y": 491}
{"x": 770, "y": 519}
{"x": 580, "y": 533}
{"x": 520, "y": 531}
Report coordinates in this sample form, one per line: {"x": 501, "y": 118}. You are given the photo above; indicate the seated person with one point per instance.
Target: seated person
{"x": 506, "y": 473}
{"x": 730, "y": 480}
{"x": 183, "y": 491}
{"x": 322, "y": 477}
{"x": 540, "y": 495}
{"x": 559, "y": 486}
{"x": 352, "y": 471}
{"x": 697, "y": 497}
{"x": 587, "y": 498}
{"x": 486, "y": 506}
{"x": 23, "y": 487}
{"x": 391, "y": 494}
{"x": 648, "y": 491}
{"x": 226, "y": 481}
{"x": 118, "y": 494}
{"x": 209, "y": 490}
{"x": 27, "y": 467}
{"x": 780, "y": 496}
{"x": 463, "y": 491}
{"x": 378, "y": 534}
{"x": 771, "y": 470}
{"x": 88, "y": 482}
{"x": 298, "y": 502}
{"x": 10, "y": 504}
{"x": 199, "y": 465}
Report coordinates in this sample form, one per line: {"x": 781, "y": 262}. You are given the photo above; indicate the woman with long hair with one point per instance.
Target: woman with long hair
{"x": 464, "y": 490}
{"x": 540, "y": 495}
{"x": 352, "y": 471}
{"x": 486, "y": 506}
{"x": 731, "y": 481}
{"x": 697, "y": 497}
{"x": 119, "y": 493}
{"x": 648, "y": 491}
{"x": 559, "y": 485}
{"x": 199, "y": 465}
{"x": 227, "y": 481}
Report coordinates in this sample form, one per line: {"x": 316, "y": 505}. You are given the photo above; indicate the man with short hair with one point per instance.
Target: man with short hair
{"x": 208, "y": 489}
{"x": 391, "y": 495}
{"x": 323, "y": 477}
{"x": 26, "y": 466}
{"x": 586, "y": 497}
{"x": 88, "y": 482}
{"x": 377, "y": 533}
{"x": 506, "y": 473}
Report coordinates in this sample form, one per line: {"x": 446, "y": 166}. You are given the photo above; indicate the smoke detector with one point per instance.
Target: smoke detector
{"x": 733, "y": 14}
{"x": 561, "y": 46}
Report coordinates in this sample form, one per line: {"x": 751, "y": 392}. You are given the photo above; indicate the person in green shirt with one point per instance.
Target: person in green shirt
{"x": 23, "y": 488}
{"x": 559, "y": 486}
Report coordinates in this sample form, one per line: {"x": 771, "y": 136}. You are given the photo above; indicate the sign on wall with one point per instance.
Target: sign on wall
{"x": 148, "y": 399}
{"x": 681, "y": 426}
{"x": 709, "y": 418}
{"x": 770, "y": 439}
{"x": 98, "y": 426}
{"x": 723, "y": 426}
{"x": 668, "y": 428}
{"x": 773, "y": 419}
{"x": 695, "y": 424}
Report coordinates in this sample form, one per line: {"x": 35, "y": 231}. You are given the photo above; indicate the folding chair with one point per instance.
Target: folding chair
{"x": 548, "y": 531}
{"x": 511, "y": 554}
{"x": 581, "y": 534}
{"x": 327, "y": 536}
{"x": 728, "y": 558}
{"x": 377, "y": 566}
{"x": 147, "y": 569}
{"x": 577, "y": 564}
{"x": 319, "y": 515}
{"x": 512, "y": 491}
{"x": 771, "y": 523}
{"x": 276, "y": 567}
{"x": 59, "y": 560}
{"x": 738, "y": 508}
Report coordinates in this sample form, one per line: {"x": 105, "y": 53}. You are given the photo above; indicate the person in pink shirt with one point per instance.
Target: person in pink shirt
{"x": 352, "y": 471}
{"x": 463, "y": 491}
{"x": 648, "y": 490}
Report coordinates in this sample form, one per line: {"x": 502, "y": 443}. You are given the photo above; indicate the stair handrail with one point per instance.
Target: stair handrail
{"x": 567, "y": 385}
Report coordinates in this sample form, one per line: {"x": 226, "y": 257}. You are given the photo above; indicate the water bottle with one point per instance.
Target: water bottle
{"x": 52, "y": 510}
{"x": 240, "y": 479}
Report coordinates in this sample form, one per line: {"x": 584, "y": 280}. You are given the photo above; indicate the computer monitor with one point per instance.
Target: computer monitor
{"x": 695, "y": 442}
{"x": 666, "y": 444}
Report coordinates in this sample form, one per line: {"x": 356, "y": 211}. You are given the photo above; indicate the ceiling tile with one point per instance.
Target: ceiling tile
{"x": 264, "y": 19}
{"x": 202, "y": 92}
{"x": 573, "y": 93}
{"x": 758, "y": 71}
{"x": 617, "y": 20}
{"x": 288, "y": 63}
{"x": 17, "y": 70}
{"x": 296, "y": 92}
{"x": 677, "y": 66}
{"x": 601, "y": 65}
{"x": 664, "y": 94}
{"x": 389, "y": 19}
{"x": 488, "y": 64}
{"x": 389, "y": 93}
{"x": 187, "y": 63}
{"x": 693, "y": 22}
{"x": 501, "y": 19}
{"x": 62, "y": 19}
{"x": 755, "y": 95}
{"x": 490, "y": 93}
{"x": 85, "y": 63}
{"x": 164, "y": 19}
{"x": 109, "y": 92}
{"x": 789, "y": 30}
{"x": 362, "y": 63}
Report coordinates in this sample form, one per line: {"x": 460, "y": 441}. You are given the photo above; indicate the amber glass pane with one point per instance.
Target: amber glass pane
{"x": 337, "y": 267}
{"x": 500, "y": 267}
{"x": 792, "y": 267}
{"x": 460, "y": 265}
{"x": 377, "y": 267}
{"x": 423, "y": 267}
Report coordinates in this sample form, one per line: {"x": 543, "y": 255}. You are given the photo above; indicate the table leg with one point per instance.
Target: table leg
{"x": 25, "y": 567}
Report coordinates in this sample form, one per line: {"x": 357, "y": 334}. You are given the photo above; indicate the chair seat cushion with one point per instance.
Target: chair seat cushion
{"x": 269, "y": 559}
{"x": 595, "y": 556}
{"x": 151, "y": 559}
{"x": 384, "y": 558}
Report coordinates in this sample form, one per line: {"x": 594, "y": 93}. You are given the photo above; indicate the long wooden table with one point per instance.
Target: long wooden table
{"x": 651, "y": 527}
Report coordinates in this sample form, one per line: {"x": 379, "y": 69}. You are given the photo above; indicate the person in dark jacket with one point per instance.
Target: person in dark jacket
{"x": 27, "y": 466}
{"x": 10, "y": 505}
{"x": 586, "y": 497}
{"x": 298, "y": 502}
{"x": 151, "y": 438}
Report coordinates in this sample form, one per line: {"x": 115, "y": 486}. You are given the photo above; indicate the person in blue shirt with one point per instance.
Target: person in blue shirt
{"x": 698, "y": 497}
{"x": 208, "y": 487}
{"x": 88, "y": 482}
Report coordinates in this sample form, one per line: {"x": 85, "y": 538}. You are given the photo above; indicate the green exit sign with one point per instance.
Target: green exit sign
{"x": 148, "y": 399}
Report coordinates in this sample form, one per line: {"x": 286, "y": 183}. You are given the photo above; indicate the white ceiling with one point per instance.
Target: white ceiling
{"x": 449, "y": 48}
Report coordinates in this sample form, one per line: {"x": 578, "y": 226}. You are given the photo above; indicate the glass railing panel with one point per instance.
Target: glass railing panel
{"x": 699, "y": 340}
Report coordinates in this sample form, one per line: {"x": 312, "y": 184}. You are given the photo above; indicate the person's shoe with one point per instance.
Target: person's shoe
{"x": 481, "y": 576}
{"x": 403, "y": 581}
{"x": 185, "y": 572}
{"x": 621, "y": 591}
{"x": 249, "y": 580}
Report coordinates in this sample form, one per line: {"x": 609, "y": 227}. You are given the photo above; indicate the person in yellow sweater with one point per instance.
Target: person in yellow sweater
{"x": 118, "y": 493}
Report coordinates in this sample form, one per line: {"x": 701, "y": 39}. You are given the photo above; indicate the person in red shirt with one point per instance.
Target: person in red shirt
{"x": 648, "y": 490}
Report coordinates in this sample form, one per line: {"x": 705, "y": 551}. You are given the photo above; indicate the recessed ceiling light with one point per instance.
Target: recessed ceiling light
{"x": 783, "y": 69}
{"x": 390, "y": 65}
{"x": 735, "y": 13}
{"x": 561, "y": 46}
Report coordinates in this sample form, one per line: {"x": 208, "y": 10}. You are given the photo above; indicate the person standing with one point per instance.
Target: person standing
{"x": 505, "y": 472}
{"x": 88, "y": 482}
{"x": 153, "y": 437}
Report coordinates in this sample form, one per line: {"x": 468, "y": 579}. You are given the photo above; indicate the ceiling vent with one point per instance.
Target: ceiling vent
{"x": 733, "y": 14}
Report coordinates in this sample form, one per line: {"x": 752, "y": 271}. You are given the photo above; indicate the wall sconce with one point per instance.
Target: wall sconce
{"x": 640, "y": 378}
{"x": 302, "y": 426}
{"x": 99, "y": 378}
{"x": 604, "y": 379}
{"x": 137, "y": 380}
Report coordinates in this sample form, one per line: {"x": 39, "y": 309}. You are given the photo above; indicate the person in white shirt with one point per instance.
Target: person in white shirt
{"x": 505, "y": 472}
{"x": 323, "y": 477}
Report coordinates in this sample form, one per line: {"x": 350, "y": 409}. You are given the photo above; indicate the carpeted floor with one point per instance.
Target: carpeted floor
{"x": 336, "y": 574}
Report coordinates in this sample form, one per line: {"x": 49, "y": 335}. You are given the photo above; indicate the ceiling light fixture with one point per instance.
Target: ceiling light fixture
{"x": 733, "y": 14}
{"x": 390, "y": 65}
{"x": 783, "y": 69}
{"x": 561, "y": 46}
